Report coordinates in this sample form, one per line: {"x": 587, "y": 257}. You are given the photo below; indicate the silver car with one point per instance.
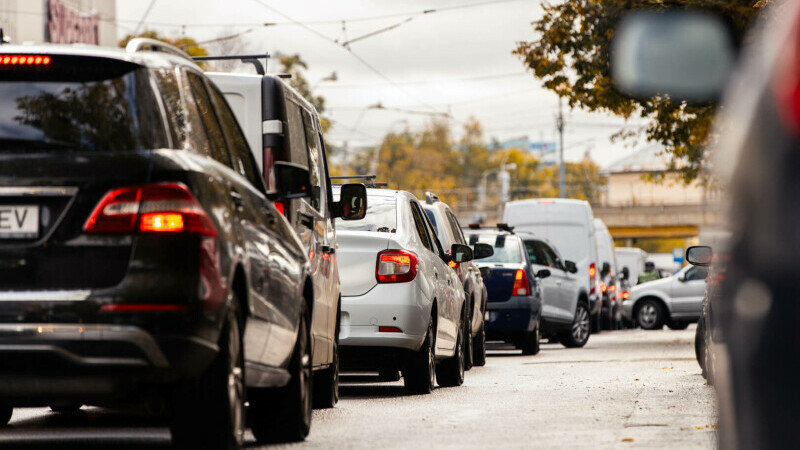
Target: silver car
{"x": 675, "y": 301}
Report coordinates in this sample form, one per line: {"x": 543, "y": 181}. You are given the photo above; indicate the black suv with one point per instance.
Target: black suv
{"x": 142, "y": 260}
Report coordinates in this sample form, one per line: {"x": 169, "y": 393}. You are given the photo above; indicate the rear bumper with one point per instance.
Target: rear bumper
{"x": 517, "y": 314}
{"x": 45, "y": 363}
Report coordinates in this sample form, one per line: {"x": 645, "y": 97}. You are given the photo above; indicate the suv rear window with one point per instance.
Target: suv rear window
{"x": 76, "y": 104}
{"x": 506, "y": 247}
{"x": 381, "y": 216}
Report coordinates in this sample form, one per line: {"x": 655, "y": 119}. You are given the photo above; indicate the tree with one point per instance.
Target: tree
{"x": 571, "y": 53}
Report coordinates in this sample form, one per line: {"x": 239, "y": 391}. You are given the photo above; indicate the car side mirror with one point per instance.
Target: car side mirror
{"x": 544, "y": 273}
{"x": 570, "y": 266}
{"x": 626, "y": 274}
{"x": 481, "y": 250}
{"x": 686, "y": 54}
{"x": 460, "y": 253}
{"x": 352, "y": 204}
{"x": 606, "y": 269}
{"x": 291, "y": 181}
{"x": 699, "y": 255}
{"x": 485, "y": 271}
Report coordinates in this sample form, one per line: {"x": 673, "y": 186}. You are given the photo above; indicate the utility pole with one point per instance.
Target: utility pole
{"x": 561, "y": 169}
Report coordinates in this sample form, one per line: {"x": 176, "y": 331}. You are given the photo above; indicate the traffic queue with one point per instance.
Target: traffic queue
{"x": 173, "y": 239}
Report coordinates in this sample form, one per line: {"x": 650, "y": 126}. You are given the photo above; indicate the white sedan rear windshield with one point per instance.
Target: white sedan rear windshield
{"x": 381, "y": 216}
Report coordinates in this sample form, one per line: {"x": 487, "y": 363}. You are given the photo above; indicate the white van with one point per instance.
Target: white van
{"x": 633, "y": 258}
{"x": 569, "y": 225}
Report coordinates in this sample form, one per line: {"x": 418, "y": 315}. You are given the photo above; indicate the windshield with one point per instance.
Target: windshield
{"x": 381, "y": 216}
{"x": 119, "y": 113}
{"x": 506, "y": 247}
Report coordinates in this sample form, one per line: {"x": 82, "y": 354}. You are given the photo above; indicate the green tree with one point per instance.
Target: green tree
{"x": 570, "y": 56}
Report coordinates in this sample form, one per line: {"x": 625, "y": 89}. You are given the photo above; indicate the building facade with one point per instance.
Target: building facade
{"x": 59, "y": 21}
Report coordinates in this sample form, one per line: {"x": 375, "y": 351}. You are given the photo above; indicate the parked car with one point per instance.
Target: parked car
{"x": 403, "y": 306}
{"x": 564, "y": 315}
{"x": 280, "y": 125}
{"x": 633, "y": 259}
{"x": 514, "y": 307}
{"x": 708, "y": 340}
{"x": 149, "y": 264}
{"x": 611, "y": 311}
{"x": 568, "y": 225}
{"x": 675, "y": 301}
{"x": 448, "y": 230}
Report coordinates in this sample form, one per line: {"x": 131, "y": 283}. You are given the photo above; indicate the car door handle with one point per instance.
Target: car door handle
{"x": 237, "y": 199}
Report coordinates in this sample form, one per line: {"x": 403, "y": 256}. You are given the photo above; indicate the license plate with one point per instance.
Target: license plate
{"x": 19, "y": 222}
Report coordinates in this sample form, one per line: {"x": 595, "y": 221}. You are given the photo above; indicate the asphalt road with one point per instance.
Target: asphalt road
{"x": 624, "y": 389}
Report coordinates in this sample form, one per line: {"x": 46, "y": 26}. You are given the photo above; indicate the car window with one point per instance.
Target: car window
{"x": 456, "y": 228}
{"x": 507, "y": 248}
{"x": 219, "y": 150}
{"x": 432, "y": 217}
{"x": 381, "y": 216}
{"x": 696, "y": 273}
{"x": 552, "y": 258}
{"x": 535, "y": 254}
{"x": 419, "y": 223}
{"x": 243, "y": 161}
{"x": 296, "y": 134}
{"x": 182, "y": 108}
{"x": 313, "y": 158}
{"x": 437, "y": 244}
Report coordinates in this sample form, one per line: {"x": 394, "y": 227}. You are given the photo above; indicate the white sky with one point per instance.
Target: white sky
{"x": 455, "y": 60}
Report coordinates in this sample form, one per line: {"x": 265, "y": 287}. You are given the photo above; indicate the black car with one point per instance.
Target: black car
{"x": 142, "y": 260}
{"x": 514, "y": 302}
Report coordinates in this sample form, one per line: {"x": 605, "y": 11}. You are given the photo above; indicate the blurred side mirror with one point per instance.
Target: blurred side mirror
{"x": 352, "y": 204}
{"x": 544, "y": 273}
{"x": 699, "y": 255}
{"x": 570, "y": 266}
{"x": 291, "y": 181}
{"x": 626, "y": 274}
{"x": 686, "y": 54}
{"x": 605, "y": 270}
{"x": 460, "y": 253}
{"x": 481, "y": 250}
{"x": 485, "y": 271}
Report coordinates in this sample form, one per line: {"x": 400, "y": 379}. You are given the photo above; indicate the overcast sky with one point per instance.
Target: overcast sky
{"x": 455, "y": 59}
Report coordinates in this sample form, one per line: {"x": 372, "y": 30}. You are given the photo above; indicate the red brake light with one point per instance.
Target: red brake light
{"x": 396, "y": 266}
{"x": 592, "y": 270}
{"x": 521, "y": 286}
{"x": 453, "y": 265}
{"x": 603, "y": 288}
{"x": 389, "y": 330}
{"x": 24, "y": 60}
{"x": 160, "y": 208}
{"x": 612, "y": 288}
{"x": 281, "y": 208}
{"x": 625, "y": 295}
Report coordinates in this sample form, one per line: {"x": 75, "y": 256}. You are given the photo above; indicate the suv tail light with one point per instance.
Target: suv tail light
{"x": 152, "y": 208}
{"x": 396, "y": 266}
{"x": 625, "y": 294}
{"x": 521, "y": 286}
{"x": 603, "y": 288}
{"x": 592, "y": 273}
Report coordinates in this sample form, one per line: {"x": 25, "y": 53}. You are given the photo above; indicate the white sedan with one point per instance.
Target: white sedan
{"x": 403, "y": 307}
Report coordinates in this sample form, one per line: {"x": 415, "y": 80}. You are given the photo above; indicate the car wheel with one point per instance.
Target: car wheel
{"x": 326, "y": 382}
{"x": 419, "y": 374}
{"x": 209, "y": 411}
{"x": 678, "y": 325}
{"x": 579, "y": 333}
{"x": 66, "y": 409}
{"x": 650, "y": 315}
{"x": 450, "y": 372}
{"x": 5, "y": 415}
{"x": 530, "y": 343}
{"x": 284, "y": 414}
{"x": 479, "y": 347}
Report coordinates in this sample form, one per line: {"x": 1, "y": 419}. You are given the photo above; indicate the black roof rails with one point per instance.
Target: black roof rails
{"x": 505, "y": 227}
{"x": 474, "y": 226}
{"x": 252, "y": 59}
{"x": 431, "y": 198}
{"x": 369, "y": 180}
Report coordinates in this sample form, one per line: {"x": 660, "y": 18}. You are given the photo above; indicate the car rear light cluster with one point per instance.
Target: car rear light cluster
{"x": 396, "y": 266}
{"x": 521, "y": 285}
{"x": 592, "y": 273}
{"x": 152, "y": 208}
{"x": 603, "y": 288}
{"x": 625, "y": 294}
{"x": 24, "y": 60}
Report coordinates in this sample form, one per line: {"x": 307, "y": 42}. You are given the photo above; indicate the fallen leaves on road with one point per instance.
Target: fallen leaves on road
{"x": 627, "y": 440}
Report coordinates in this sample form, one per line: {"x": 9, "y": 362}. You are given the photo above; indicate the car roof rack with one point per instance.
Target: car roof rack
{"x": 431, "y": 198}
{"x": 154, "y": 45}
{"x": 261, "y": 69}
{"x": 368, "y": 180}
{"x": 474, "y": 226}
{"x": 505, "y": 227}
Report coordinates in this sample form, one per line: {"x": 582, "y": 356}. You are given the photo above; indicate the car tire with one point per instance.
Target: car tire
{"x": 450, "y": 372}
{"x": 650, "y": 315}
{"x": 284, "y": 414}
{"x": 479, "y": 347}
{"x": 208, "y": 412}
{"x": 530, "y": 343}
{"x": 419, "y": 374}
{"x": 5, "y": 415}
{"x": 326, "y": 381}
{"x": 678, "y": 325}
{"x": 581, "y": 329}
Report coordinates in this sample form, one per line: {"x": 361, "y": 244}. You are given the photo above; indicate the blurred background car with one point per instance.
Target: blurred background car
{"x": 403, "y": 306}
{"x": 633, "y": 259}
{"x": 449, "y": 232}
{"x": 674, "y": 301}
{"x": 611, "y": 312}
